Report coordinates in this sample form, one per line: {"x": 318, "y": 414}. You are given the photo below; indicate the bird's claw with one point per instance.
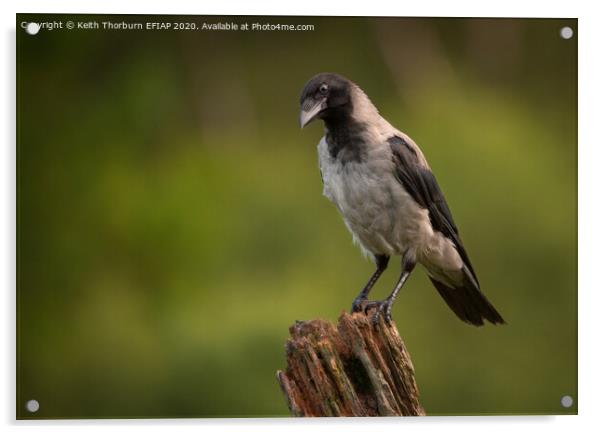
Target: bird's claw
{"x": 358, "y": 303}
{"x": 382, "y": 308}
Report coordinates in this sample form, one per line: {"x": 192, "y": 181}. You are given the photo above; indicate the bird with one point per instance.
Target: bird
{"x": 384, "y": 189}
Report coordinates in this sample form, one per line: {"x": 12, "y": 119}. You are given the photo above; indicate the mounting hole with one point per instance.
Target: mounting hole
{"x": 566, "y": 33}
{"x": 32, "y": 28}
{"x": 566, "y": 401}
{"x": 32, "y": 406}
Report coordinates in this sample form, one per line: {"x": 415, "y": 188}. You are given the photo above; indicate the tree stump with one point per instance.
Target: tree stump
{"x": 354, "y": 369}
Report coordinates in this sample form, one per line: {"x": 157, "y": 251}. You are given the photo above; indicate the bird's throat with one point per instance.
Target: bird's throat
{"x": 346, "y": 139}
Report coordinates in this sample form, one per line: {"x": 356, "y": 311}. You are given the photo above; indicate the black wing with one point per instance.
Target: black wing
{"x": 420, "y": 182}
{"x": 467, "y": 301}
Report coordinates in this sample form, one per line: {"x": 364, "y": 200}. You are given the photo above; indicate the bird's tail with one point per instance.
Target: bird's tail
{"x": 468, "y": 302}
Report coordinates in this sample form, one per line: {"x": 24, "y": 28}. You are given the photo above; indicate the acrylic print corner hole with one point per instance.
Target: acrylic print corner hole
{"x": 566, "y": 401}
{"x": 566, "y": 32}
{"x": 32, "y": 406}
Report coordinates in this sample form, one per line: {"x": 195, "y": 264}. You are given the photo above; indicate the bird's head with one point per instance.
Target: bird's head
{"x": 326, "y": 96}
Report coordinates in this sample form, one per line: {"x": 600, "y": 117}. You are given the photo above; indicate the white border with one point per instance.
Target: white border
{"x": 590, "y": 218}
{"x": 460, "y": 8}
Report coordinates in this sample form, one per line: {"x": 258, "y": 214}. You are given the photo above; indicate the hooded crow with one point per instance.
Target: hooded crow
{"x": 384, "y": 189}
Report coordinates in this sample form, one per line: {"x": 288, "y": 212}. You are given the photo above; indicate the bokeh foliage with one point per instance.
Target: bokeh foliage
{"x": 171, "y": 224}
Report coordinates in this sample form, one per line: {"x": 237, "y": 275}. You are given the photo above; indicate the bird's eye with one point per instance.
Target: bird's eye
{"x": 323, "y": 88}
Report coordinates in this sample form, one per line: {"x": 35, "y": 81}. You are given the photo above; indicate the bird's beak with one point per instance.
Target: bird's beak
{"x": 309, "y": 111}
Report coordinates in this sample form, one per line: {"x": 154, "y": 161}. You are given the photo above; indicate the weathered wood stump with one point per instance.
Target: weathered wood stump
{"x": 354, "y": 369}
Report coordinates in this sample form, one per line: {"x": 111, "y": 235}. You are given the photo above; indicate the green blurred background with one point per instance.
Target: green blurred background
{"x": 171, "y": 224}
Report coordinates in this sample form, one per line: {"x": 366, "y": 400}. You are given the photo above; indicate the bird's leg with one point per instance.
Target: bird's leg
{"x": 381, "y": 265}
{"x": 384, "y": 306}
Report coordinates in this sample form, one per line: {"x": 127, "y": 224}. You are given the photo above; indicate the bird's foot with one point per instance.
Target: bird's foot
{"x": 382, "y": 307}
{"x": 358, "y": 303}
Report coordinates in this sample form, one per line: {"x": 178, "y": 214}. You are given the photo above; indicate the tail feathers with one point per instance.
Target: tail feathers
{"x": 469, "y": 303}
